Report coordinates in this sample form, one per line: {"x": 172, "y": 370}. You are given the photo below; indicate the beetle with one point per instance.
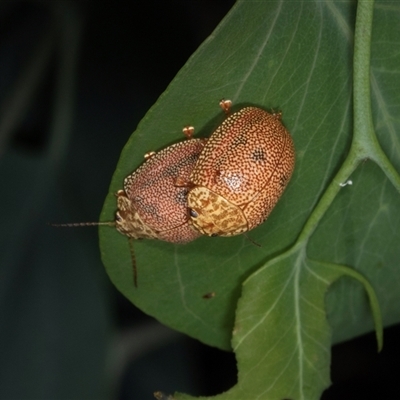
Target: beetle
{"x": 241, "y": 173}
{"x": 152, "y": 204}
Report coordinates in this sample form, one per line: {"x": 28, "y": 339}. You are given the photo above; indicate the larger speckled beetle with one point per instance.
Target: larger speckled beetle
{"x": 241, "y": 173}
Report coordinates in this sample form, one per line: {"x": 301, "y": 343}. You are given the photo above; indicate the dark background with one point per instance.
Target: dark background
{"x": 76, "y": 77}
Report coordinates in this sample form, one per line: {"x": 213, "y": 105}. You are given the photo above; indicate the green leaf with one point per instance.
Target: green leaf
{"x": 281, "y": 336}
{"x": 298, "y": 58}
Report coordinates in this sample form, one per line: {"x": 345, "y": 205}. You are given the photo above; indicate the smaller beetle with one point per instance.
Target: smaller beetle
{"x": 241, "y": 173}
{"x": 153, "y": 204}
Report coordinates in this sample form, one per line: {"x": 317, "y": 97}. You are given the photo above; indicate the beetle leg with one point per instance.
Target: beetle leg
{"x": 226, "y": 106}
{"x": 149, "y": 154}
{"x": 188, "y": 131}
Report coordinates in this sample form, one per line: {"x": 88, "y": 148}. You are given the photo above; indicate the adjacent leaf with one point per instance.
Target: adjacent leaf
{"x": 282, "y": 338}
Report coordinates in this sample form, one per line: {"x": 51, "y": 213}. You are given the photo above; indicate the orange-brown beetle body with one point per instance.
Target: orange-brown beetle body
{"x": 241, "y": 173}
{"x": 153, "y": 205}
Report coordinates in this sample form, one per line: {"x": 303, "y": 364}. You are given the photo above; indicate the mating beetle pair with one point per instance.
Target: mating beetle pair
{"x": 222, "y": 186}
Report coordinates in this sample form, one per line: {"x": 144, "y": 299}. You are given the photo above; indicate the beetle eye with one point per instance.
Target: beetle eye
{"x": 118, "y": 217}
{"x": 193, "y": 213}
{"x": 214, "y": 234}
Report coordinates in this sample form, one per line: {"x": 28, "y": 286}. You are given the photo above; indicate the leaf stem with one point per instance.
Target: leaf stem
{"x": 347, "y": 168}
{"x": 364, "y": 139}
{"x": 365, "y": 143}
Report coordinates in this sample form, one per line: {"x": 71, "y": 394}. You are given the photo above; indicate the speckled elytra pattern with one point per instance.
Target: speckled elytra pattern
{"x": 153, "y": 203}
{"x": 247, "y": 161}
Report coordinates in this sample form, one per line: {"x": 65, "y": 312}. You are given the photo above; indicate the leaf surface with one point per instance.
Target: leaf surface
{"x": 298, "y": 58}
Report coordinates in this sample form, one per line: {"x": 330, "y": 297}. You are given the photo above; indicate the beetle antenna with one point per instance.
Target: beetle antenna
{"x": 80, "y": 224}
{"x": 135, "y": 280}
{"x": 107, "y": 223}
